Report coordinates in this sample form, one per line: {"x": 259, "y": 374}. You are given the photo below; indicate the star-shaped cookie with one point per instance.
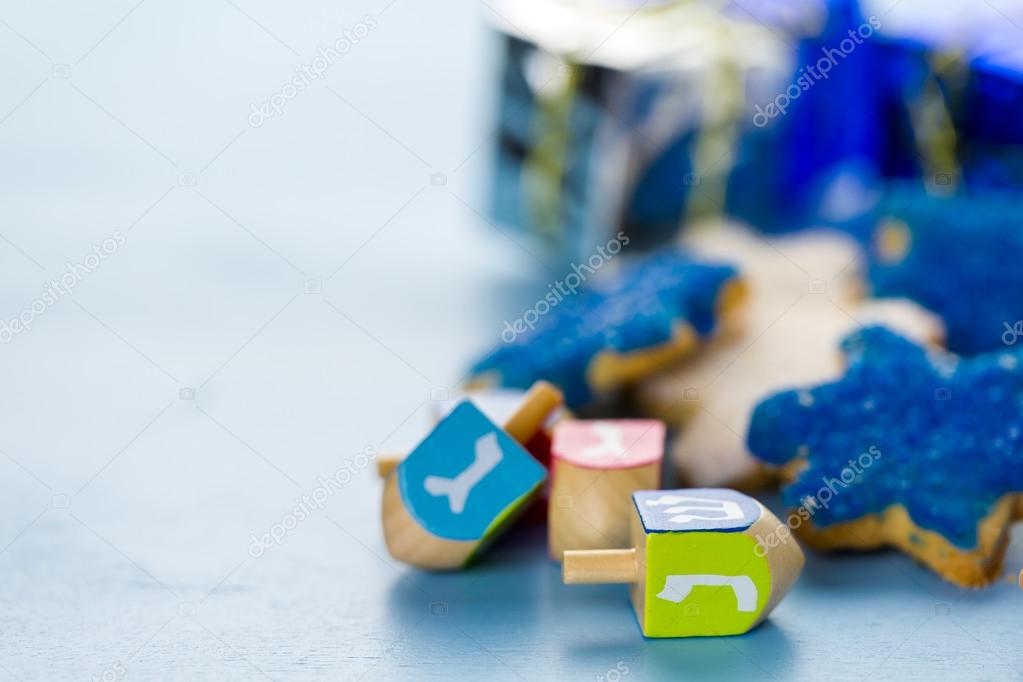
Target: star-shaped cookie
{"x": 805, "y": 294}
{"x": 912, "y": 447}
{"x": 616, "y": 330}
{"x": 958, "y": 257}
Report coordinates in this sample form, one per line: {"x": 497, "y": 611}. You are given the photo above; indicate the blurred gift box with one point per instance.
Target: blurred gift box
{"x": 618, "y": 116}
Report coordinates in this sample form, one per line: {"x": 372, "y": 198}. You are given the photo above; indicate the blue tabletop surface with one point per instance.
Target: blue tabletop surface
{"x": 287, "y": 296}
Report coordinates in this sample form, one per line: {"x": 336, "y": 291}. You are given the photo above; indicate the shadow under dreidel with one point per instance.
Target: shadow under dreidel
{"x": 766, "y": 650}
{"x": 702, "y": 658}
{"x": 502, "y": 588}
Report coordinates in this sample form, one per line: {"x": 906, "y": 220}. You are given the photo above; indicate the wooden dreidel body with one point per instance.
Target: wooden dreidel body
{"x": 702, "y": 562}
{"x": 596, "y": 465}
{"x": 526, "y": 416}
{"x": 456, "y": 491}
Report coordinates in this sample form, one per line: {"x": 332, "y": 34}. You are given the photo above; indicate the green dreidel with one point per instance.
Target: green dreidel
{"x": 702, "y": 562}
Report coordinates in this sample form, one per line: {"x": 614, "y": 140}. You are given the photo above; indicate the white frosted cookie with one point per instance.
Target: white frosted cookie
{"x": 804, "y": 295}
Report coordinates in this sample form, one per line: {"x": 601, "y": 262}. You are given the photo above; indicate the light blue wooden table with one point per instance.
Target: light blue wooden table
{"x": 286, "y": 295}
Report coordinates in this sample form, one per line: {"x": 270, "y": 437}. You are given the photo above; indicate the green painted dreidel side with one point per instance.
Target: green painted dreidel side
{"x": 701, "y": 562}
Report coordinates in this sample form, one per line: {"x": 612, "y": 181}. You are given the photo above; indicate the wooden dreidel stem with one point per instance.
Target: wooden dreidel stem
{"x": 596, "y": 465}
{"x": 537, "y": 405}
{"x": 599, "y": 566}
{"x": 463, "y": 484}
{"x": 703, "y": 562}
{"x": 523, "y": 424}
{"x": 386, "y": 464}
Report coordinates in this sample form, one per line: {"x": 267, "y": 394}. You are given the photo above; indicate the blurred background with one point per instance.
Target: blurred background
{"x": 247, "y": 246}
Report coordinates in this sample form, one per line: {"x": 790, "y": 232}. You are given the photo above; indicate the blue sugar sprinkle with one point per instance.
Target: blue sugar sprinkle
{"x": 942, "y": 438}
{"x": 635, "y": 309}
{"x": 964, "y": 263}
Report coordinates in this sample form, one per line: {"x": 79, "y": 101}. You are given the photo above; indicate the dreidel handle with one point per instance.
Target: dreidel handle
{"x": 536, "y": 407}
{"x": 588, "y": 566}
{"x": 386, "y": 464}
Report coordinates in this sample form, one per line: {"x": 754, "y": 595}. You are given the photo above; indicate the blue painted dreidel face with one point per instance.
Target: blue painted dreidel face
{"x": 466, "y": 477}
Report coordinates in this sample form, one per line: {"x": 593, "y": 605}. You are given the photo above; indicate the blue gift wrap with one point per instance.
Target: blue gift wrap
{"x": 803, "y": 115}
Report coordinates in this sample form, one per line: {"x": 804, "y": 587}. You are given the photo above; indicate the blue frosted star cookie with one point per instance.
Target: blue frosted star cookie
{"x": 912, "y": 447}
{"x": 958, "y": 257}
{"x": 616, "y": 331}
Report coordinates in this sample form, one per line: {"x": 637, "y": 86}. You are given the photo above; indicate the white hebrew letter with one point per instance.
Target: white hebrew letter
{"x": 457, "y": 489}
{"x": 688, "y": 509}
{"x": 677, "y": 588}
{"x": 610, "y": 443}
